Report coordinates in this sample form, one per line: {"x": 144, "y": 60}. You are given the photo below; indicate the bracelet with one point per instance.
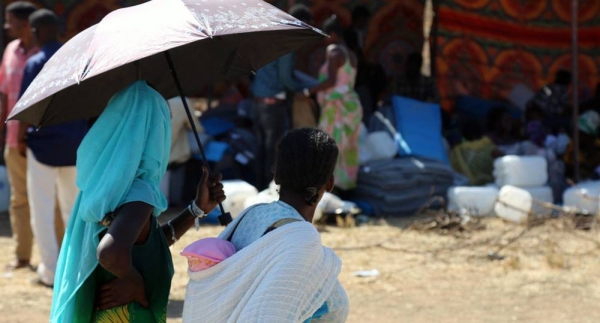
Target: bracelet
{"x": 197, "y": 212}
{"x": 173, "y": 237}
{"x": 306, "y": 92}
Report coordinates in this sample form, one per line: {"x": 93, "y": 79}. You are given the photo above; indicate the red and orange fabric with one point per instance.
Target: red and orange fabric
{"x": 395, "y": 30}
{"x": 485, "y": 47}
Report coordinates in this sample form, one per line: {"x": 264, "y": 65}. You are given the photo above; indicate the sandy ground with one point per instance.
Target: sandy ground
{"x": 550, "y": 274}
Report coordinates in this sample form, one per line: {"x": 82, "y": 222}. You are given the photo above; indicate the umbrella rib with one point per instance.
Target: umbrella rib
{"x": 86, "y": 70}
{"x": 45, "y": 112}
{"x": 206, "y": 28}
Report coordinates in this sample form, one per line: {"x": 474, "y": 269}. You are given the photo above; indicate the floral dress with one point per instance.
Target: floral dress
{"x": 341, "y": 115}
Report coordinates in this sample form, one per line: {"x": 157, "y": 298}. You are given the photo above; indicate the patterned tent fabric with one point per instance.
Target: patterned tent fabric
{"x": 395, "y": 30}
{"x": 485, "y": 47}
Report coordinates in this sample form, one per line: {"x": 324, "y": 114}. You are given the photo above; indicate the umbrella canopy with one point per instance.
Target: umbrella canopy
{"x": 208, "y": 41}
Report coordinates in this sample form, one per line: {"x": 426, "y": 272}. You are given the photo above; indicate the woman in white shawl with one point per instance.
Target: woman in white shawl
{"x": 281, "y": 271}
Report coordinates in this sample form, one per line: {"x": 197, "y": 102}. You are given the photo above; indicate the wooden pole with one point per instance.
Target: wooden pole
{"x": 575, "y": 73}
{"x": 433, "y": 35}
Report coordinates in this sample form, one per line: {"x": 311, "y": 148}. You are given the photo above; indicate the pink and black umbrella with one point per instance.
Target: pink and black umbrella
{"x": 177, "y": 46}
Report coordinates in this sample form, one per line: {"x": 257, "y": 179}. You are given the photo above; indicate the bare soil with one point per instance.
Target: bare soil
{"x": 549, "y": 274}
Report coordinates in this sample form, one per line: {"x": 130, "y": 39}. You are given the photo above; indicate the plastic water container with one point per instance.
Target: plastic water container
{"x": 262, "y": 197}
{"x": 584, "y": 196}
{"x": 514, "y": 204}
{"x": 237, "y": 193}
{"x": 273, "y": 189}
{"x": 521, "y": 171}
{"x": 4, "y": 190}
{"x": 271, "y": 194}
{"x": 475, "y": 200}
{"x": 379, "y": 145}
{"x": 541, "y": 194}
{"x": 329, "y": 203}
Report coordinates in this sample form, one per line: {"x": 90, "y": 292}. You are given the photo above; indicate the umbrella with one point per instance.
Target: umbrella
{"x": 177, "y": 46}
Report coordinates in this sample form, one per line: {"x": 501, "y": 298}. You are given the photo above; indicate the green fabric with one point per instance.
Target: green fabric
{"x": 474, "y": 159}
{"x": 589, "y": 122}
{"x": 153, "y": 261}
{"x": 122, "y": 159}
{"x": 341, "y": 115}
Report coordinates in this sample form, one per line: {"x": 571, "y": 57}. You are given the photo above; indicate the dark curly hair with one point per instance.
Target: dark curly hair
{"x": 301, "y": 12}
{"x": 333, "y": 25}
{"x": 305, "y": 162}
{"x": 21, "y": 9}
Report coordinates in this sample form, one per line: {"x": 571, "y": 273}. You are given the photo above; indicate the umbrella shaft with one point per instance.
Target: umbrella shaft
{"x": 190, "y": 117}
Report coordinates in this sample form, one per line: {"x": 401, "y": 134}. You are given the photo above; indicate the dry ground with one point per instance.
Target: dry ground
{"x": 550, "y": 274}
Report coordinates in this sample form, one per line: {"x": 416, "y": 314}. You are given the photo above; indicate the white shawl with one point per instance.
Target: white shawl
{"x": 285, "y": 276}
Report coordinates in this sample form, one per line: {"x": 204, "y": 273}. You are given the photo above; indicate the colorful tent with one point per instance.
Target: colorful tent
{"x": 485, "y": 47}
{"x": 396, "y": 27}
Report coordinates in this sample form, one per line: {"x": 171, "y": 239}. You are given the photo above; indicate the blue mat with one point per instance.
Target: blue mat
{"x": 215, "y": 126}
{"x": 420, "y": 124}
{"x": 214, "y": 150}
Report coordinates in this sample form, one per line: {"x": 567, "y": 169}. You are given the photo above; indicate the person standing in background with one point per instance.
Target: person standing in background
{"x": 341, "y": 110}
{"x": 51, "y": 155}
{"x": 371, "y": 80}
{"x": 413, "y": 84}
{"x": 11, "y": 74}
{"x": 181, "y": 152}
{"x": 271, "y": 106}
{"x": 554, "y": 100}
{"x": 356, "y": 34}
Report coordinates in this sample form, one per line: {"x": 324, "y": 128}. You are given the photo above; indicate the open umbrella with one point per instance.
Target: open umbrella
{"x": 177, "y": 46}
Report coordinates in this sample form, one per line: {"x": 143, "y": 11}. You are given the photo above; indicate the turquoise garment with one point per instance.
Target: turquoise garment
{"x": 122, "y": 159}
{"x": 319, "y": 313}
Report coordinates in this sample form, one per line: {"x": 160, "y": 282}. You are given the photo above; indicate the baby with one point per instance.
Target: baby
{"x": 206, "y": 253}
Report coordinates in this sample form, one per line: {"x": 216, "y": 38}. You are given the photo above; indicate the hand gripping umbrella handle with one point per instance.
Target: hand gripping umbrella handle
{"x": 225, "y": 217}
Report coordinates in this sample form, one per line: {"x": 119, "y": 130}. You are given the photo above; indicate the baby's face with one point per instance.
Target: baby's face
{"x": 200, "y": 263}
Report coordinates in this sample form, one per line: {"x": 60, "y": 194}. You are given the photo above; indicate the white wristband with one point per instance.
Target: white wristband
{"x": 197, "y": 212}
{"x": 306, "y": 92}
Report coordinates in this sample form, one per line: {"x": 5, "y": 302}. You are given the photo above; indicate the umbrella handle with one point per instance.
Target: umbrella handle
{"x": 225, "y": 217}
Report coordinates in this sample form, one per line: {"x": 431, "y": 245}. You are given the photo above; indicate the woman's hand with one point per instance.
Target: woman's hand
{"x": 210, "y": 191}
{"x": 122, "y": 291}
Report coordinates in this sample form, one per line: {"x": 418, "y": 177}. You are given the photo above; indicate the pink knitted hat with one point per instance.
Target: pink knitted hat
{"x": 207, "y": 252}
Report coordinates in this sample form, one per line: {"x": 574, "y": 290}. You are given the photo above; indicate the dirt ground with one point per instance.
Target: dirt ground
{"x": 550, "y": 274}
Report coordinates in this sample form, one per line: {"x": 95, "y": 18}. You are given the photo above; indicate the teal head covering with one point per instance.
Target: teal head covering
{"x": 589, "y": 122}
{"x": 122, "y": 159}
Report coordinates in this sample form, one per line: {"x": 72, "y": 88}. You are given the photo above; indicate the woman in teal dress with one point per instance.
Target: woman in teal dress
{"x": 115, "y": 264}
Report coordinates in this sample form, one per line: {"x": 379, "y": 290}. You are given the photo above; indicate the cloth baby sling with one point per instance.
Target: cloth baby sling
{"x": 255, "y": 284}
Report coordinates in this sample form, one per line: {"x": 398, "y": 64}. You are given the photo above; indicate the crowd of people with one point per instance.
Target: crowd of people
{"x": 114, "y": 261}
{"x": 115, "y": 257}
{"x": 348, "y": 89}
{"x": 40, "y": 164}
